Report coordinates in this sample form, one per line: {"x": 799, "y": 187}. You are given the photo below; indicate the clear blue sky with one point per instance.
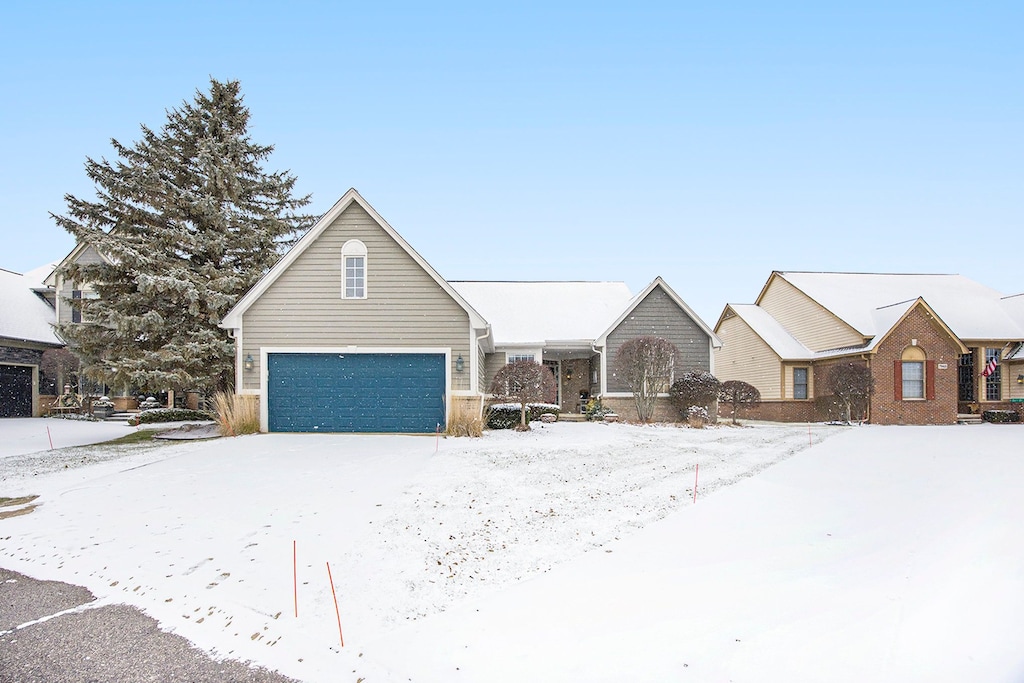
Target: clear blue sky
{"x": 567, "y": 141}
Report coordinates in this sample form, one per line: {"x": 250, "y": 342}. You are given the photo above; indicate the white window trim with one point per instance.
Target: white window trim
{"x": 354, "y": 249}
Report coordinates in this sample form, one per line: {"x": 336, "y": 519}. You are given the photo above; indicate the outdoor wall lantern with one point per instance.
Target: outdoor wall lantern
{"x": 568, "y": 374}
{"x": 460, "y": 364}
{"x": 248, "y": 362}
{"x": 1020, "y": 379}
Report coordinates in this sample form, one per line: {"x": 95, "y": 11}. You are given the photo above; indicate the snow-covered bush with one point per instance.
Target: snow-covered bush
{"x": 167, "y": 415}
{"x": 1000, "y": 416}
{"x": 697, "y": 416}
{"x": 508, "y": 415}
{"x": 698, "y": 388}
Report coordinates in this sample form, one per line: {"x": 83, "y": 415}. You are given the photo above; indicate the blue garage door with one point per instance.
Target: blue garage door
{"x": 355, "y": 392}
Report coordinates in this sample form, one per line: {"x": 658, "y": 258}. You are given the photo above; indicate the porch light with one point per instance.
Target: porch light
{"x": 248, "y": 362}
{"x": 460, "y": 364}
{"x": 1020, "y": 379}
{"x": 568, "y": 374}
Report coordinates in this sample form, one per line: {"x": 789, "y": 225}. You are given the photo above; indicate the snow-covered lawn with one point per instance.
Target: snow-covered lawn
{"x": 571, "y": 553}
{"x": 19, "y": 436}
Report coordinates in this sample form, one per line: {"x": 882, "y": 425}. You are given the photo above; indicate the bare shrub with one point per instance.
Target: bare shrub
{"x": 645, "y": 364}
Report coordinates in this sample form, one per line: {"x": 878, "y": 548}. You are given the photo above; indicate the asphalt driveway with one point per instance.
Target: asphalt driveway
{"x": 53, "y": 632}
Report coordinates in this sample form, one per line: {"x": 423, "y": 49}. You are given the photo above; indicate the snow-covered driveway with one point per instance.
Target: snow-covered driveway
{"x": 472, "y": 563}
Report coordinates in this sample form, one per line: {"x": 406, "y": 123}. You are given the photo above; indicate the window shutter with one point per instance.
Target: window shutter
{"x": 929, "y": 380}
{"x": 897, "y": 379}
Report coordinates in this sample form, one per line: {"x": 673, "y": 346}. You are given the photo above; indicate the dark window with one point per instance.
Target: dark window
{"x": 993, "y": 386}
{"x": 799, "y": 382}
{"x": 76, "y": 306}
{"x": 966, "y": 377}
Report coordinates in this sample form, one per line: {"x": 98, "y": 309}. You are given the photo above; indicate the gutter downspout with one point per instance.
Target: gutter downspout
{"x": 476, "y": 375}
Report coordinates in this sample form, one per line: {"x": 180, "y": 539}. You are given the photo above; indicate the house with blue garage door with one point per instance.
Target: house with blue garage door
{"x": 353, "y": 331}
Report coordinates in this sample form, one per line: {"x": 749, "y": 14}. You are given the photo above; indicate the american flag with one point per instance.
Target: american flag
{"x": 990, "y": 367}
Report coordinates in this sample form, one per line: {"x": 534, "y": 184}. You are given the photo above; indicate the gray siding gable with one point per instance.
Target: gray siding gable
{"x": 658, "y": 315}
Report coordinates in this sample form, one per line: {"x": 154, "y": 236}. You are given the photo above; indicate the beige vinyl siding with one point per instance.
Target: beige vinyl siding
{"x": 495, "y": 361}
{"x": 66, "y": 287}
{"x": 746, "y": 357}
{"x": 805, "y": 319}
{"x": 404, "y": 306}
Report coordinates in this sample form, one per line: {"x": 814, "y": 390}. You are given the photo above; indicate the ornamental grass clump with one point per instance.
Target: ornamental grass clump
{"x": 464, "y": 421}
{"x": 236, "y": 414}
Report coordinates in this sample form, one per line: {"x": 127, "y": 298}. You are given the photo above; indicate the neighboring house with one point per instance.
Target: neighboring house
{"x": 926, "y": 338}
{"x": 352, "y": 330}
{"x": 65, "y": 291}
{"x": 26, "y": 331}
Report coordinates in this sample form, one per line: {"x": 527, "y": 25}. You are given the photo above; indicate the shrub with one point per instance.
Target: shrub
{"x": 507, "y": 415}
{"x": 697, "y": 416}
{"x": 830, "y": 408}
{"x": 645, "y": 365}
{"x": 596, "y": 411}
{"x": 167, "y": 415}
{"x": 1000, "y": 416}
{"x": 699, "y": 388}
{"x": 464, "y": 421}
{"x": 525, "y": 382}
{"x": 738, "y": 394}
{"x": 236, "y": 414}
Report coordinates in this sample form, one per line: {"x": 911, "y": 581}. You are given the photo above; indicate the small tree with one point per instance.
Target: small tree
{"x": 699, "y": 388}
{"x": 852, "y": 384}
{"x": 645, "y": 364}
{"x": 738, "y": 395}
{"x": 59, "y": 367}
{"x": 524, "y": 382}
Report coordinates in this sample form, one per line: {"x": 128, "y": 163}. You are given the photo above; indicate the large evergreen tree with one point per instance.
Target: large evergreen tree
{"x": 187, "y": 220}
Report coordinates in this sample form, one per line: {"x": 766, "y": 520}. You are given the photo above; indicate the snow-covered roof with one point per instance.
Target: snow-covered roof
{"x": 772, "y": 332}
{"x": 543, "y": 312}
{"x": 971, "y": 310}
{"x": 24, "y": 316}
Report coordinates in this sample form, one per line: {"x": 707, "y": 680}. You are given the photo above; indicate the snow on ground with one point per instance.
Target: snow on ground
{"x": 574, "y": 552}
{"x": 21, "y": 436}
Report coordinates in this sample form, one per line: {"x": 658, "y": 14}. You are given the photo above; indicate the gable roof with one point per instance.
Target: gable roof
{"x": 24, "y": 316}
{"x": 540, "y": 313}
{"x": 659, "y": 283}
{"x": 770, "y": 330}
{"x": 789, "y": 348}
{"x": 233, "y": 319}
{"x": 971, "y": 310}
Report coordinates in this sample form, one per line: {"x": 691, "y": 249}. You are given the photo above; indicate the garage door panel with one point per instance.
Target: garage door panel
{"x": 356, "y": 392}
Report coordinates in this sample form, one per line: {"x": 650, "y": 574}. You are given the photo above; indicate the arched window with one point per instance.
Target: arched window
{"x": 353, "y": 267}
{"x": 913, "y": 364}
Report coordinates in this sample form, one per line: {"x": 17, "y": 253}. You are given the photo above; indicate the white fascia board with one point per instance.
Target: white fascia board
{"x": 233, "y": 319}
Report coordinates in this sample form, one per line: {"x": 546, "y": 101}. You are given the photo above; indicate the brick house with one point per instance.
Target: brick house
{"x": 926, "y": 338}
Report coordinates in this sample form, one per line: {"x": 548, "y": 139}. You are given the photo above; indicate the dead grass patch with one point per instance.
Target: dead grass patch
{"x": 6, "y": 502}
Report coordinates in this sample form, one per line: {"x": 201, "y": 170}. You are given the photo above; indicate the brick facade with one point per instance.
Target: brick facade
{"x": 942, "y": 353}
{"x": 774, "y": 411}
{"x": 17, "y": 355}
